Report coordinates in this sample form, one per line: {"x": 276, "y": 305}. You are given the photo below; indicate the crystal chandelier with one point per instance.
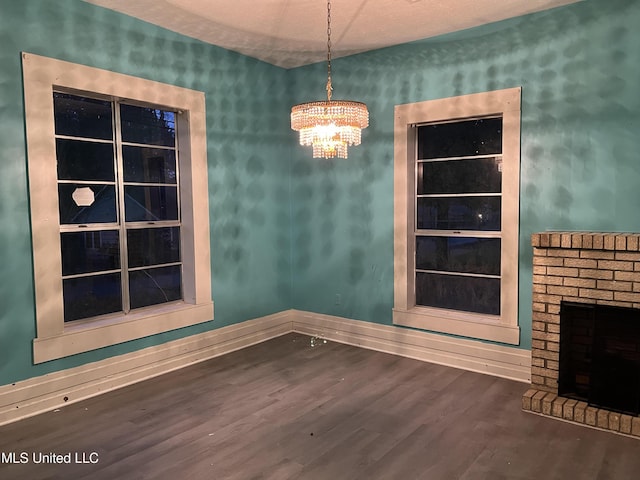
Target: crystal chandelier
{"x": 329, "y": 126}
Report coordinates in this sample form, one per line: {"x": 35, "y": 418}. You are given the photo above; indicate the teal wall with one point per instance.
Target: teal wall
{"x": 248, "y": 154}
{"x": 288, "y": 231}
{"x": 579, "y": 69}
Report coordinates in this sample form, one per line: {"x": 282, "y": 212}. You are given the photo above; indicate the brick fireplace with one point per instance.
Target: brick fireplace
{"x": 580, "y": 267}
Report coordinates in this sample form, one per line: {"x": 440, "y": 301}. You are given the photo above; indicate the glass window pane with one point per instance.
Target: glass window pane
{"x": 469, "y": 294}
{"x": 153, "y": 246}
{"x": 480, "y": 175}
{"x": 458, "y": 254}
{"x": 79, "y": 160}
{"x": 459, "y": 213}
{"x": 149, "y": 126}
{"x": 149, "y": 165}
{"x": 480, "y": 136}
{"x": 150, "y": 203}
{"x": 86, "y": 297}
{"x": 78, "y": 116}
{"x": 84, "y": 252}
{"x": 155, "y": 285}
{"x": 92, "y": 203}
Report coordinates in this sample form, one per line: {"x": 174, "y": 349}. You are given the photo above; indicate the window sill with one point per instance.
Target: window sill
{"x": 471, "y": 325}
{"x": 79, "y": 337}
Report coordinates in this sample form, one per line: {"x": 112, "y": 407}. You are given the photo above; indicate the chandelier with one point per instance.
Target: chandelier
{"x": 329, "y": 126}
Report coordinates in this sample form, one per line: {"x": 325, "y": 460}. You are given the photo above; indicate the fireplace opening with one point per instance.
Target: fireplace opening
{"x": 600, "y": 356}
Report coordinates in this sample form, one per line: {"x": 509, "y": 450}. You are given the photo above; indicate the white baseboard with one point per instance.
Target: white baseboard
{"x": 501, "y": 361}
{"x": 40, "y": 394}
{"x": 47, "y": 392}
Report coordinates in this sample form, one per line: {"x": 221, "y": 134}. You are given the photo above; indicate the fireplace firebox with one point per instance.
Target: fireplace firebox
{"x": 600, "y": 356}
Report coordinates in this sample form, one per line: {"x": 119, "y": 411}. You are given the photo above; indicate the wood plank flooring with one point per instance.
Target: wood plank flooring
{"x": 291, "y": 408}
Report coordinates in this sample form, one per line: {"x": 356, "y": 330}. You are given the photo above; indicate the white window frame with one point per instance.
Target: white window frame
{"x": 55, "y": 339}
{"x": 501, "y": 328}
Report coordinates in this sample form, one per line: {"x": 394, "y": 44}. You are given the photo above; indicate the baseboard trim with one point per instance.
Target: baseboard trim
{"x": 501, "y": 361}
{"x": 41, "y": 394}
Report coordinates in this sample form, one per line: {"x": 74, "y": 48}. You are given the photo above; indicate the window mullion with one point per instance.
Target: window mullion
{"x": 458, "y": 195}
{"x": 124, "y": 256}
{"x": 458, "y": 274}
{"x": 458, "y": 233}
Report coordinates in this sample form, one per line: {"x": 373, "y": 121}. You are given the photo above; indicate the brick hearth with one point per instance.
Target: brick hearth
{"x": 596, "y": 268}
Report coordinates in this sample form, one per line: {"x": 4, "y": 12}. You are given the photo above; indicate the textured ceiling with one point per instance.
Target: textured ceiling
{"x": 290, "y": 33}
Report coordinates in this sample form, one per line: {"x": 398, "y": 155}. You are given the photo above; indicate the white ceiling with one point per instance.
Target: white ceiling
{"x": 290, "y": 33}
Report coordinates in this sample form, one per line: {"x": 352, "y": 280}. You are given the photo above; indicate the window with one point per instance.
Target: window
{"x": 458, "y": 215}
{"x": 118, "y": 201}
{"x": 119, "y": 206}
{"x": 456, "y": 178}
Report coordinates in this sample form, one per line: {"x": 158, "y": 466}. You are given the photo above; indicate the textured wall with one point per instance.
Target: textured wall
{"x": 578, "y": 68}
{"x": 248, "y": 150}
{"x": 326, "y": 227}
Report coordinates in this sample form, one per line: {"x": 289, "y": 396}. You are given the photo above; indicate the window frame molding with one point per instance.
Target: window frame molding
{"x": 503, "y": 328}
{"x": 55, "y": 339}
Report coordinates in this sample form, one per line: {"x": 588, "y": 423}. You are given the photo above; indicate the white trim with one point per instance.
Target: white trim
{"x": 54, "y": 338}
{"x": 83, "y": 337}
{"x": 457, "y": 323}
{"x": 45, "y": 393}
{"x": 40, "y": 394}
{"x": 500, "y": 328}
{"x": 498, "y": 360}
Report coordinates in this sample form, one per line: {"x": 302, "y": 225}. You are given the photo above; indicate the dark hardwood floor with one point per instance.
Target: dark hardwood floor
{"x": 286, "y": 409}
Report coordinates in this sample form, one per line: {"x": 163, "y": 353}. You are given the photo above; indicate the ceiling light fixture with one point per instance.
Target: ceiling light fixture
{"x": 329, "y": 126}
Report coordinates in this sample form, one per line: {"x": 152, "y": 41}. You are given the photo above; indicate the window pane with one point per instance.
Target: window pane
{"x": 481, "y": 175}
{"x": 458, "y": 254}
{"x": 155, "y": 285}
{"x": 87, "y": 297}
{"x": 77, "y": 116}
{"x": 469, "y": 294}
{"x": 84, "y": 252}
{"x": 150, "y": 203}
{"x": 149, "y": 165}
{"x": 153, "y": 246}
{"x": 481, "y": 136}
{"x": 459, "y": 213}
{"x": 79, "y": 160}
{"x": 149, "y": 126}
{"x": 74, "y": 211}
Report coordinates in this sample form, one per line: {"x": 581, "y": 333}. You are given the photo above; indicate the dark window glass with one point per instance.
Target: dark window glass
{"x": 458, "y": 254}
{"x": 78, "y": 116}
{"x": 155, "y": 285}
{"x": 86, "y": 297}
{"x": 469, "y": 294}
{"x": 150, "y": 203}
{"x": 481, "y": 136}
{"x": 149, "y": 126}
{"x": 459, "y": 213}
{"x": 153, "y": 246}
{"x": 84, "y": 252}
{"x": 80, "y": 160}
{"x": 101, "y": 210}
{"x": 480, "y": 175}
{"x": 149, "y": 165}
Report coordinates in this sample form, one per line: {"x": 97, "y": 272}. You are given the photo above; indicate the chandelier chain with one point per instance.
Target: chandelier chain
{"x": 329, "y": 86}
